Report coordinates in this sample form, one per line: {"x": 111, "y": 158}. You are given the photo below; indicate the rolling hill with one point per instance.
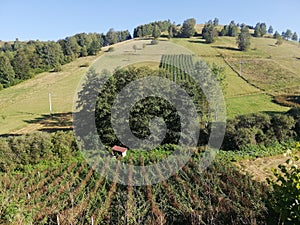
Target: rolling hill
{"x": 253, "y": 78}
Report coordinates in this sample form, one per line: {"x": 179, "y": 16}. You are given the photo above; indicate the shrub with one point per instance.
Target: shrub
{"x": 285, "y": 197}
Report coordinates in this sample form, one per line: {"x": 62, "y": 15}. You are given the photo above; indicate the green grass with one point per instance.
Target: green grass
{"x": 267, "y": 70}
{"x": 27, "y": 101}
{"x": 246, "y": 104}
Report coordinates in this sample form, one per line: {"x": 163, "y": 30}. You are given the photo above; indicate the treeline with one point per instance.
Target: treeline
{"x": 22, "y": 60}
{"x": 166, "y": 28}
{"x": 30, "y": 149}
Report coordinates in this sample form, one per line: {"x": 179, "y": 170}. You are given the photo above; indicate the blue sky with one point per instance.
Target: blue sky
{"x": 55, "y": 19}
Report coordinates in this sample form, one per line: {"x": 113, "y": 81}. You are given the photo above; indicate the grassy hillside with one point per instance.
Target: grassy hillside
{"x": 23, "y": 103}
{"x": 267, "y": 70}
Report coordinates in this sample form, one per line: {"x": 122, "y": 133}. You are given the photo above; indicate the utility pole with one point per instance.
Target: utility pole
{"x": 50, "y": 103}
{"x": 241, "y": 62}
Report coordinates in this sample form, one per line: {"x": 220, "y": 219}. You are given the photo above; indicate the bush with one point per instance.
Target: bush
{"x": 30, "y": 149}
{"x": 285, "y": 197}
{"x": 259, "y": 128}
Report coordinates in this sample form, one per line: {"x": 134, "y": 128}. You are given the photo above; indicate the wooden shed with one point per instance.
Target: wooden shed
{"x": 117, "y": 150}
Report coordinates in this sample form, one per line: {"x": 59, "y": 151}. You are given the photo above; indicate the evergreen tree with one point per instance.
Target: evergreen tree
{"x": 270, "y": 30}
{"x": 257, "y": 31}
{"x": 263, "y": 29}
{"x": 224, "y": 31}
{"x": 288, "y": 34}
{"x": 232, "y": 29}
{"x": 295, "y": 37}
{"x": 7, "y": 73}
{"x": 276, "y": 35}
{"x": 21, "y": 65}
{"x": 216, "y": 22}
{"x": 94, "y": 48}
{"x": 243, "y": 39}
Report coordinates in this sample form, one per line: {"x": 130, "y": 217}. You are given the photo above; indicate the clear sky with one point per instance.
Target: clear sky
{"x": 55, "y": 19}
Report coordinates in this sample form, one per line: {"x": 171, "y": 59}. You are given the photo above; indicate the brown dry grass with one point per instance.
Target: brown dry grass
{"x": 260, "y": 168}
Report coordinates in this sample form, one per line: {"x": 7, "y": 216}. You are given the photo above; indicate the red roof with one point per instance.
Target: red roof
{"x": 119, "y": 149}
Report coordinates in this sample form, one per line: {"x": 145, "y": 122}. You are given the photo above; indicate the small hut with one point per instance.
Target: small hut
{"x": 117, "y": 150}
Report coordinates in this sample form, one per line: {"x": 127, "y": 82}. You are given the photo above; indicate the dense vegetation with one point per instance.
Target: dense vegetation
{"x": 22, "y": 60}
{"x": 261, "y": 129}
{"x": 66, "y": 190}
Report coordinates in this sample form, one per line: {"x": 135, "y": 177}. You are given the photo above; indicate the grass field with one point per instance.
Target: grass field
{"x": 25, "y": 102}
{"x": 269, "y": 70}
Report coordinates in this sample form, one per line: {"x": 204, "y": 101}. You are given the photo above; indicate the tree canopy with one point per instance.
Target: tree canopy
{"x": 188, "y": 28}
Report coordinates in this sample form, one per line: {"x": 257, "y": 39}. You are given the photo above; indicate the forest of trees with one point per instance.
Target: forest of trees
{"x": 22, "y": 60}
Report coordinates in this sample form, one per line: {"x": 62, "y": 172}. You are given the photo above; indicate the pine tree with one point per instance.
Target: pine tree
{"x": 295, "y": 37}
{"x": 270, "y": 30}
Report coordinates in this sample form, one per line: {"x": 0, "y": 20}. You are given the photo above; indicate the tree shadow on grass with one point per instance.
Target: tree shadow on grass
{"x": 53, "y": 123}
{"x": 198, "y": 41}
{"x": 226, "y": 48}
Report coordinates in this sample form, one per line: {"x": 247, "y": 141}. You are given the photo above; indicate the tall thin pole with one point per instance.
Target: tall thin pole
{"x": 50, "y": 104}
{"x": 241, "y": 62}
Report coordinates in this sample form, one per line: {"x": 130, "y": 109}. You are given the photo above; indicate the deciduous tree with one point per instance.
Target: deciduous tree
{"x": 243, "y": 39}
{"x": 188, "y": 28}
{"x": 209, "y": 33}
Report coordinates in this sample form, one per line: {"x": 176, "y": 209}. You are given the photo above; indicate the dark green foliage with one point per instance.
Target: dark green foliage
{"x": 18, "y": 152}
{"x": 243, "y": 39}
{"x": 156, "y": 32}
{"x": 270, "y": 30}
{"x": 111, "y": 37}
{"x": 295, "y": 37}
{"x": 94, "y": 48}
{"x": 295, "y": 113}
{"x": 140, "y": 115}
{"x": 287, "y": 35}
{"x": 233, "y": 29}
{"x": 285, "y": 196}
{"x": 216, "y": 22}
{"x": 230, "y": 30}
{"x": 146, "y": 30}
{"x": 188, "y": 28}
{"x": 276, "y": 35}
{"x": 7, "y": 73}
{"x": 209, "y": 33}
{"x": 260, "y": 129}
{"x": 22, "y": 60}
{"x": 260, "y": 30}
{"x": 21, "y": 65}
